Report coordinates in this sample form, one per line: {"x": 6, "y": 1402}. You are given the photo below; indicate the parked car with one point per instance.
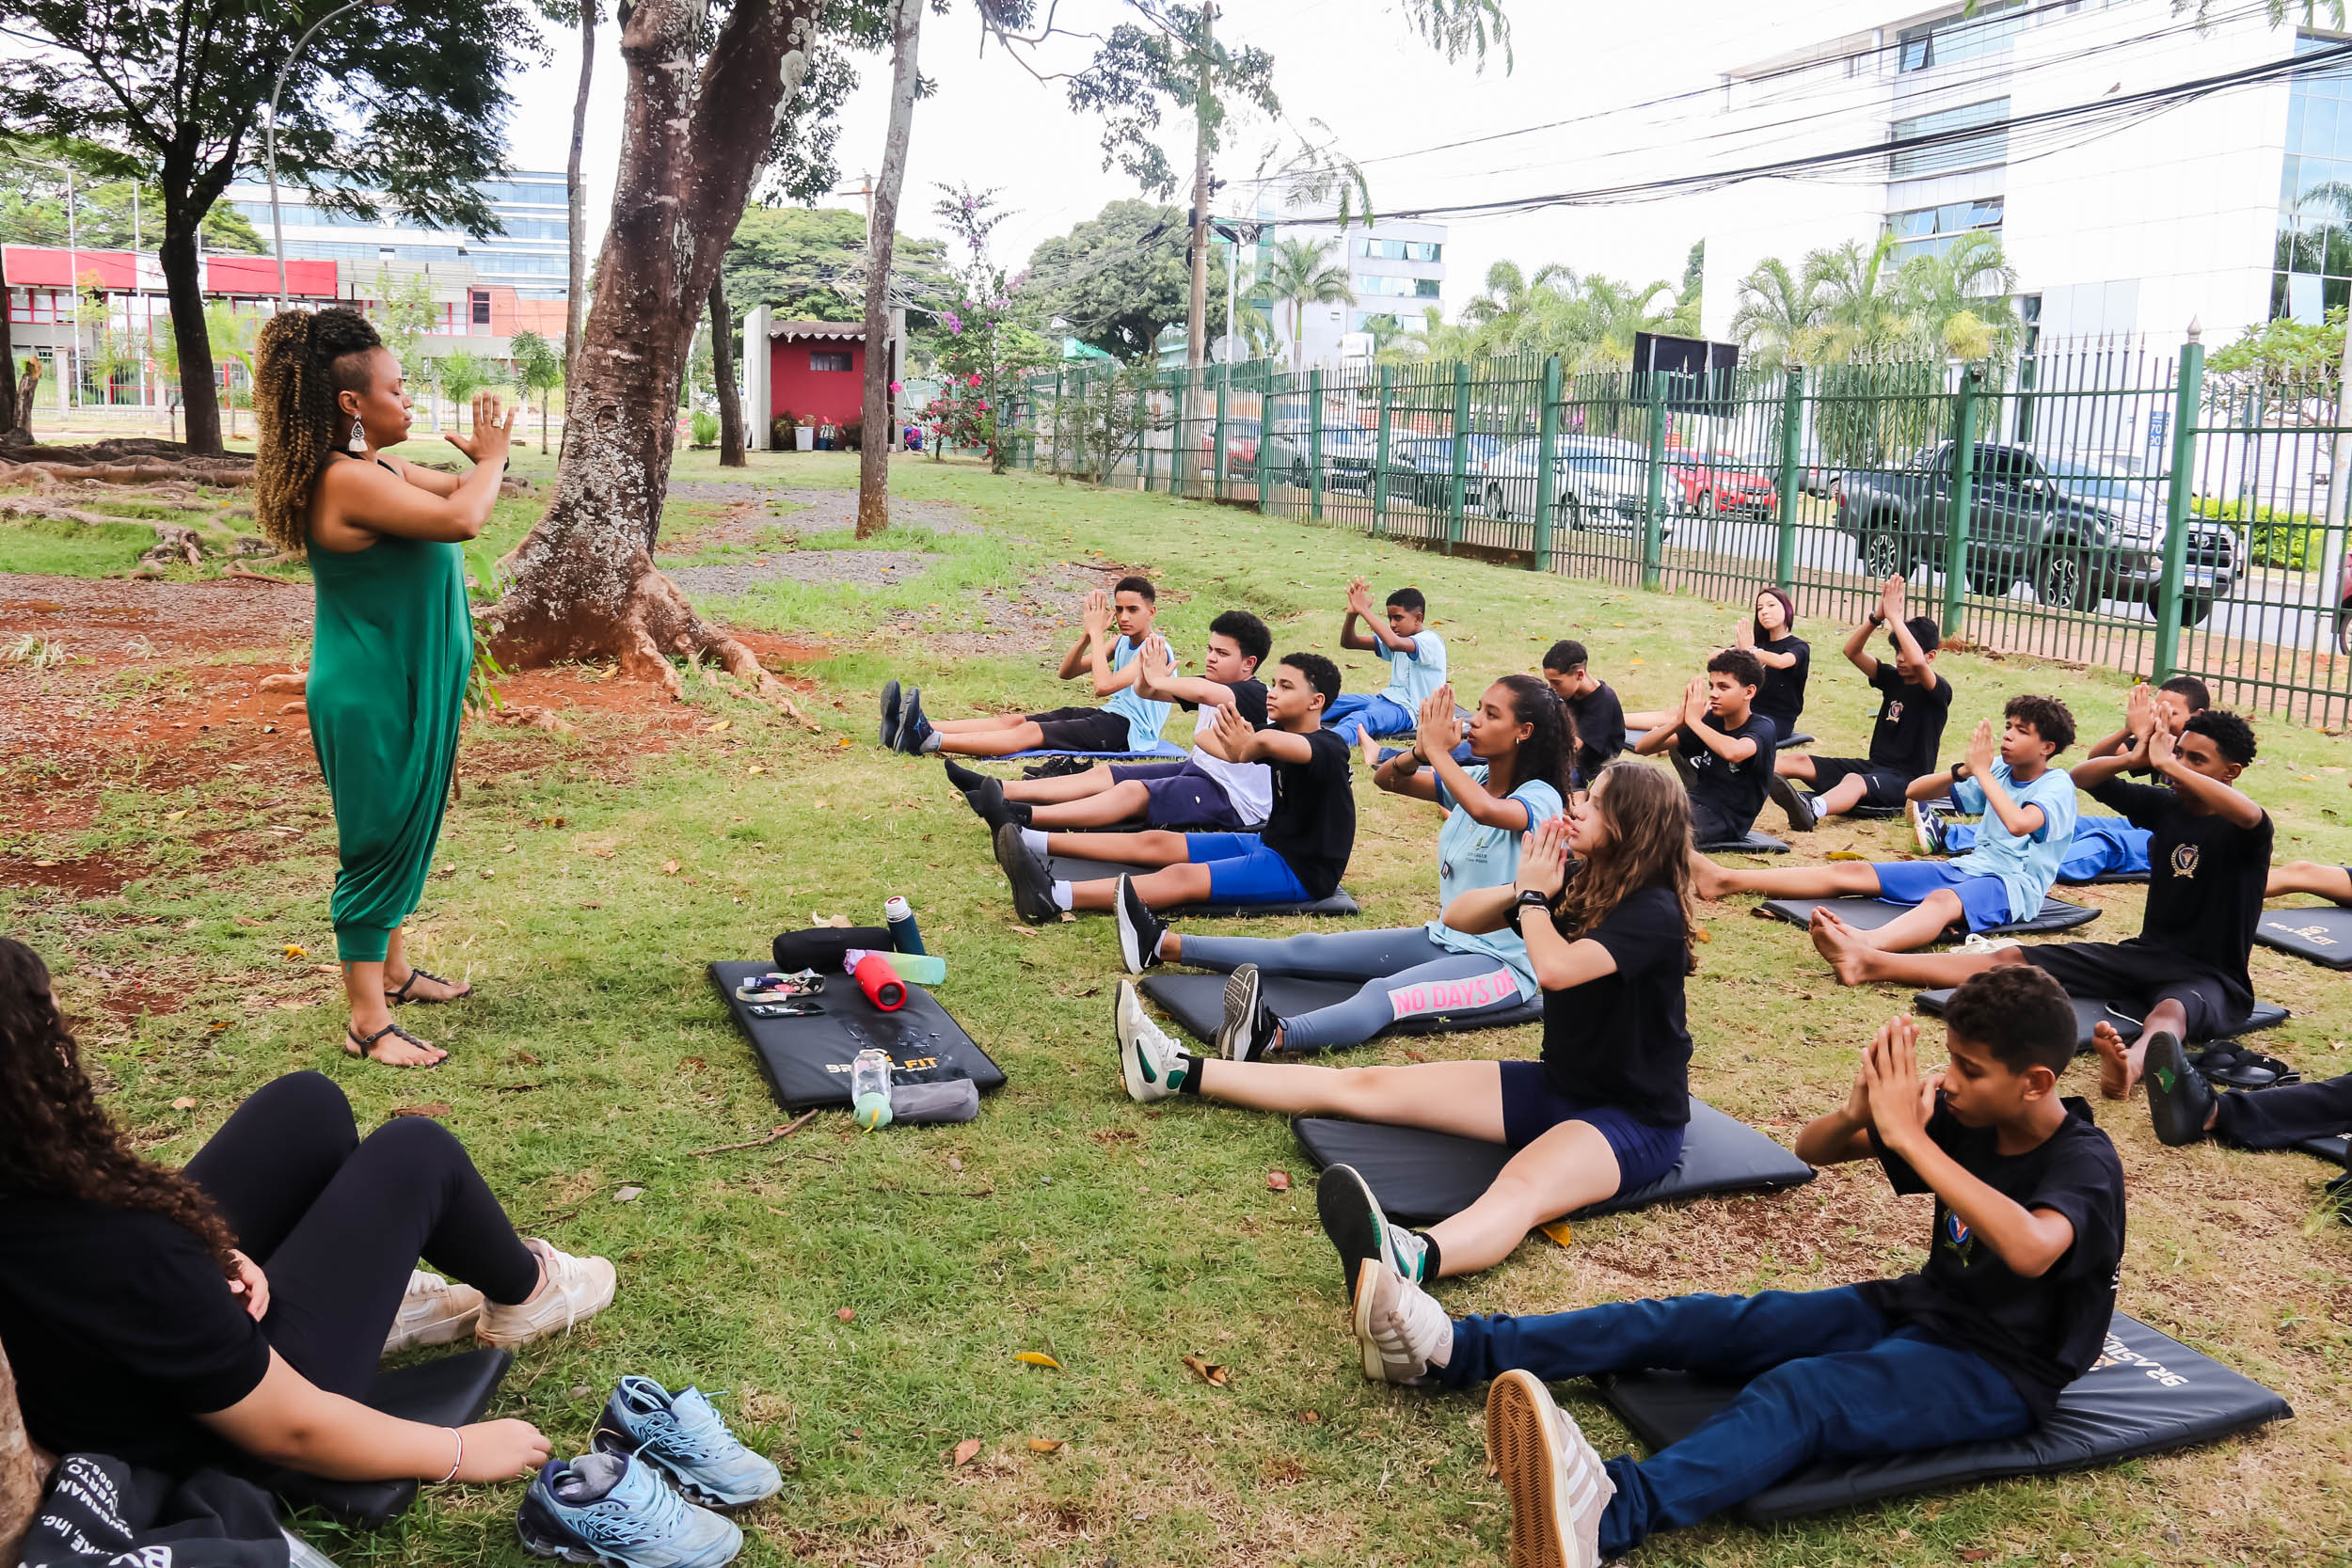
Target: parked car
{"x": 2076, "y": 537}
{"x": 1421, "y": 469}
{"x": 1598, "y": 482}
{"x": 1348, "y": 454}
{"x": 1241, "y": 444}
{"x": 1722, "y": 483}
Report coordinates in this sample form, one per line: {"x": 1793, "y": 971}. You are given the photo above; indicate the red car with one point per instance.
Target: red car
{"x": 1722, "y": 483}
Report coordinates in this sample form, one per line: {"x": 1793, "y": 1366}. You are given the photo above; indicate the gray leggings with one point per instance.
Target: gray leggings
{"x": 1405, "y": 975}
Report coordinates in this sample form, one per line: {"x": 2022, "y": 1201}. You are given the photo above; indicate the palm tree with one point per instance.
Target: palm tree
{"x": 1296, "y": 275}
{"x": 1957, "y": 302}
{"x": 1778, "y": 312}
{"x": 1384, "y": 330}
{"x": 1859, "y": 313}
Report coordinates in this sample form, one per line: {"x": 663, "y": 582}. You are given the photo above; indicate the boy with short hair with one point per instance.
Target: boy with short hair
{"x": 2029, "y": 818}
{"x": 2013, "y": 1304}
{"x": 1127, "y": 723}
{"x": 1913, "y": 702}
{"x": 1415, "y": 656}
{"x": 1203, "y": 793}
{"x": 1299, "y": 858}
{"x": 1723, "y": 747}
{"x": 1599, "y": 717}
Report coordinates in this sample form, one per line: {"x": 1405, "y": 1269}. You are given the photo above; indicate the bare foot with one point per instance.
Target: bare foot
{"x": 2118, "y": 1071}
{"x": 1708, "y": 879}
{"x": 1847, "y": 949}
{"x": 1371, "y": 748}
{"x": 387, "y": 1042}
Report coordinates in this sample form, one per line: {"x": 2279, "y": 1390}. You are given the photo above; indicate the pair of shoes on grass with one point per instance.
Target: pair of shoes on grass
{"x": 438, "y": 1312}
{"x": 646, "y": 1493}
{"x": 903, "y": 727}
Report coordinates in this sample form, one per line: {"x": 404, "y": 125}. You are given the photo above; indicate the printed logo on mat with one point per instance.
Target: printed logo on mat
{"x": 1447, "y": 996}
{"x": 2113, "y": 1353}
{"x": 2316, "y": 935}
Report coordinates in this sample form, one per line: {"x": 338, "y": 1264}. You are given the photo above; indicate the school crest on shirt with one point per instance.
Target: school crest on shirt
{"x": 1895, "y": 713}
{"x": 1958, "y": 1237}
{"x": 2185, "y": 858}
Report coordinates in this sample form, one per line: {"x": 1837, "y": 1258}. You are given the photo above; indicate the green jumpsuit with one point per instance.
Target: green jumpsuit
{"x": 392, "y": 651}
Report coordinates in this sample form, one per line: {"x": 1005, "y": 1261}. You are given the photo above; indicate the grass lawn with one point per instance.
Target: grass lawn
{"x": 862, "y": 1297}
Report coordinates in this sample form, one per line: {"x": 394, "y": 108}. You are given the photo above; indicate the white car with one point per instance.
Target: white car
{"x": 1598, "y": 482}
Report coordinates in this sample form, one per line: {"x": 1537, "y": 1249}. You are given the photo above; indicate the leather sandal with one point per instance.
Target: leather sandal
{"x": 397, "y": 997}
{"x": 354, "y": 1045}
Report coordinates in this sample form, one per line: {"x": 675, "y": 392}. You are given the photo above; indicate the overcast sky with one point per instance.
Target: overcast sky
{"x": 1351, "y": 63}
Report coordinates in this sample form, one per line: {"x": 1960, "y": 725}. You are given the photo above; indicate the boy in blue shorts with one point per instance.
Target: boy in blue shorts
{"x": 1298, "y": 858}
{"x": 1415, "y": 656}
{"x": 2028, "y": 810}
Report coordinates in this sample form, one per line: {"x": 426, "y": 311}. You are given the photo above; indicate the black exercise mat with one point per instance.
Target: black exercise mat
{"x": 1425, "y": 1177}
{"x": 2089, "y": 1012}
{"x": 1797, "y": 737}
{"x": 806, "y": 1060}
{"x": 2322, "y": 934}
{"x": 1880, "y": 814}
{"x": 2104, "y": 878}
{"x": 445, "y": 1391}
{"x": 2147, "y": 1393}
{"x": 1198, "y": 1003}
{"x": 1069, "y": 868}
{"x": 1868, "y": 914}
{"x": 1755, "y": 844}
{"x": 2337, "y": 1148}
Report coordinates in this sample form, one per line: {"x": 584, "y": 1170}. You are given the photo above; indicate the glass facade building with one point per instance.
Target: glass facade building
{"x": 2311, "y": 270}
{"x": 533, "y": 257}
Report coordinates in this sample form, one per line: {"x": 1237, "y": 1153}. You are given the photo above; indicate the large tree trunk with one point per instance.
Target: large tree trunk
{"x": 574, "y": 190}
{"x": 722, "y": 376}
{"x": 183, "y": 285}
{"x": 23, "y": 1470}
{"x": 11, "y": 427}
{"x": 583, "y": 583}
{"x": 28, "y": 383}
{"x": 873, "y": 466}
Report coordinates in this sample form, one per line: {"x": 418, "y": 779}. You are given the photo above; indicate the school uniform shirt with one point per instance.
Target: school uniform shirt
{"x": 1248, "y": 785}
{"x": 1472, "y": 855}
{"x": 1144, "y": 716}
{"x": 2205, "y": 879}
{"x": 1311, "y": 823}
{"x": 119, "y": 1327}
{"x": 2026, "y": 865}
{"x": 1412, "y": 676}
{"x": 1725, "y": 792}
{"x": 1909, "y": 727}
{"x": 1621, "y": 1040}
{"x": 1600, "y": 730}
{"x": 2041, "y": 1334}
{"x": 1781, "y": 698}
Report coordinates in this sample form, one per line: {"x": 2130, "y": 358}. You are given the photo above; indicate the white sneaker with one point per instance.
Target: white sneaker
{"x": 1555, "y": 1481}
{"x": 1147, "y": 1057}
{"x": 1978, "y": 942}
{"x": 577, "y": 1289}
{"x": 1400, "y": 1327}
{"x": 434, "y": 1312}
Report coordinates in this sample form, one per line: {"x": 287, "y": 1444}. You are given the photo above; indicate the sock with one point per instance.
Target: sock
{"x": 589, "y": 1478}
{"x": 1034, "y": 842}
{"x": 1430, "y": 1257}
{"x": 1187, "y": 1075}
{"x": 1019, "y": 812}
{"x": 1063, "y": 899}
{"x": 929, "y": 742}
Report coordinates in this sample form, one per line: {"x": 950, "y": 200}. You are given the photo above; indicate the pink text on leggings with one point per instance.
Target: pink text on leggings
{"x": 1454, "y": 996}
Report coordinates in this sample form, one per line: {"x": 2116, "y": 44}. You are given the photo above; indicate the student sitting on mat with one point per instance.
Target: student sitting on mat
{"x": 2333, "y": 883}
{"x": 1415, "y": 657}
{"x": 1204, "y": 792}
{"x": 1593, "y": 707}
{"x": 1771, "y": 635}
{"x": 2012, "y": 1305}
{"x": 1601, "y": 1114}
{"x": 2029, "y": 817}
{"x": 2184, "y": 974}
{"x": 1913, "y": 702}
{"x": 1723, "y": 747}
{"x": 1520, "y": 739}
{"x": 1127, "y": 723}
{"x": 135, "y": 1308}
{"x": 2103, "y": 846}
{"x": 1298, "y": 858}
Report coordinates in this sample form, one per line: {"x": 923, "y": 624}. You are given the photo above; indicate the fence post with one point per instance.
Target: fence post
{"x": 1056, "y": 448}
{"x": 1963, "y": 502}
{"x": 1262, "y": 458}
{"x": 1547, "y": 476}
{"x": 1314, "y": 441}
{"x": 1224, "y": 465}
{"x": 2186, "y": 399}
{"x": 1654, "y": 506}
{"x": 1791, "y": 476}
{"x": 1461, "y": 455}
{"x": 1380, "y": 458}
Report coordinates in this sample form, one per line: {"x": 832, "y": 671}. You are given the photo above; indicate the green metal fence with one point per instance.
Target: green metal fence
{"x": 2094, "y": 503}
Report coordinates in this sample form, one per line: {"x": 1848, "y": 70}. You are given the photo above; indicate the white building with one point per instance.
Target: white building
{"x": 1394, "y": 268}
{"x": 533, "y": 257}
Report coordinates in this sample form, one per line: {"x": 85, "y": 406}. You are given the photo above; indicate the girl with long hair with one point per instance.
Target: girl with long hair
{"x": 232, "y": 1313}
{"x": 1602, "y": 1112}
{"x": 1522, "y": 742}
{"x": 393, "y": 647}
{"x": 1771, "y": 635}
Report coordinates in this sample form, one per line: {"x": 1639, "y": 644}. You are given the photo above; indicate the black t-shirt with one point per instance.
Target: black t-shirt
{"x": 2041, "y": 1334}
{"x": 2205, "y": 879}
{"x": 1621, "y": 1040}
{"x": 1782, "y": 697}
{"x": 1599, "y": 729}
{"x": 119, "y": 1326}
{"x": 1727, "y": 793}
{"x": 1312, "y": 825}
{"x": 1910, "y": 720}
{"x": 1249, "y": 701}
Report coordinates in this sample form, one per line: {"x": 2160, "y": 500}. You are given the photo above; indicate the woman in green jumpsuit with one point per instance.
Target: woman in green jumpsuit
{"x": 393, "y": 643}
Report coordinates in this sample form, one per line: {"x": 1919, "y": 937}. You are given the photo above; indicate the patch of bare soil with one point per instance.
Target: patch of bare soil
{"x": 1042, "y": 614}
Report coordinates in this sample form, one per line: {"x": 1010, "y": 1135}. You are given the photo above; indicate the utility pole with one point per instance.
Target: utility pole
{"x": 1197, "y": 318}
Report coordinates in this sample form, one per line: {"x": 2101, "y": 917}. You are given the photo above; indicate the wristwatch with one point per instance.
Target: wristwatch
{"x": 1529, "y": 900}
{"x": 1878, "y": 617}
{"x": 1959, "y": 771}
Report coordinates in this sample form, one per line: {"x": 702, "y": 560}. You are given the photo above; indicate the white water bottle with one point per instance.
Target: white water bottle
{"x": 870, "y": 1089}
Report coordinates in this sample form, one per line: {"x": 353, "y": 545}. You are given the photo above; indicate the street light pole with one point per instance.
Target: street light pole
{"x": 276, "y": 226}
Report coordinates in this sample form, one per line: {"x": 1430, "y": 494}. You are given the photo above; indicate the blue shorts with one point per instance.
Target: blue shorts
{"x": 1242, "y": 870}
{"x": 1354, "y": 716}
{"x": 1179, "y": 795}
{"x": 1984, "y": 900}
{"x": 1532, "y": 1107}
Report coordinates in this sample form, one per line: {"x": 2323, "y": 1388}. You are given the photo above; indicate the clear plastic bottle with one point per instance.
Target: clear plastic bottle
{"x": 870, "y": 1089}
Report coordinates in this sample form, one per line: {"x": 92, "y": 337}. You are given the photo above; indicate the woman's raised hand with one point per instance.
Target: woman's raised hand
{"x": 491, "y": 435}
{"x": 1440, "y": 728}
{"x": 1544, "y": 858}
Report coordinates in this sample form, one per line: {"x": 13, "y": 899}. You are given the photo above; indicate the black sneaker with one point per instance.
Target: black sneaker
{"x": 2179, "y": 1098}
{"x": 890, "y": 713}
{"x": 987, "y": 799}
{"x": 1352, "y": 1219}
{"x": 1804, "y": 817}
{"x": 913, "y": 729}
{"x": 965, "y": 779}
{"x": 1057, "y": 767}
{"x": 1139, "y": 929}
{"x": 1031, "y": 879}
{"x": 1250, "y": 1025}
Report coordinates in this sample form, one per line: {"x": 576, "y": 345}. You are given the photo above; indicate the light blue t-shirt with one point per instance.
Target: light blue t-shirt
{"x": 2026, "y": 866}
{"x": 1413, "y": 677}
{"x": 1144, "y": 716}
{"x": 1472, "y": 855}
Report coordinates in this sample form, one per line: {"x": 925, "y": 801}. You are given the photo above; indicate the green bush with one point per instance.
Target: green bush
{"x": 704, "y": 425}
{"x": 2292, "y": 541}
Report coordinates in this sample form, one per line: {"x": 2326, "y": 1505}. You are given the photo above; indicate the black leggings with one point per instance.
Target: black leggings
{"x": 2284, "y": 1116}
{"x": 338, "y": 1221}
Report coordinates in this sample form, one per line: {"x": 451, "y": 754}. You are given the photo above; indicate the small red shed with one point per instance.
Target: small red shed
{"x": 812, "y": 370}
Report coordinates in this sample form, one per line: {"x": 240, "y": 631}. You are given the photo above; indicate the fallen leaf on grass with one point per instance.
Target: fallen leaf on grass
{"x": 838, "y": 920}
{"x": 628, "y": 1194}
{"x": 842, "y": 744}
{"x": 219, "y": 1025}
{"x": 438, "y": 1108}
{"x": 1975, "y": 1554}
{"x": 1213, "y": 1376}
{"x": 1038, "y": 1359}
{"x": 1558, "y": 1232}
{"x": 245, "y": 920}
{"x": 721, "y": 726}
{"x": 1278, "y": 1181}
{"x": 184, "y": 1103}
{"x": 759, "y": 770}
{"x": 294, "y": 952}
{"x": 174, "y": 815}
{"x": 1046, "y": 1445}
{"x": 1311, "y": 1418}
{"x": 669, "y": 868}
{"x": 526, "y": 1058}
{"x": 847, "y": 1314}
{"x": 966, "y": 1452}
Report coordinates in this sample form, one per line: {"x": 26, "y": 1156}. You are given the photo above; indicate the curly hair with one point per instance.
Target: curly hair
{"x": 1649, "y": 846}
{"x": 1550, "y": 742}
{"x": 301, "y": 360}
{"x": 2047, "y": 715}
{"x": 55, "y": 1140}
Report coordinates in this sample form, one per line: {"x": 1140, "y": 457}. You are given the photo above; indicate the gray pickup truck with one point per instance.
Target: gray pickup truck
{"x": 2075, "y": 534}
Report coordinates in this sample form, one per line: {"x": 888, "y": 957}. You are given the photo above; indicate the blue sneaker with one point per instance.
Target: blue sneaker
{"x": 612, "y": 1512}
{"x": 680, "y": 1435}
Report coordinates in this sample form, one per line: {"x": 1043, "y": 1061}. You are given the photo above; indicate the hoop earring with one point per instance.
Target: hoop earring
{"x": 358, "y": 442}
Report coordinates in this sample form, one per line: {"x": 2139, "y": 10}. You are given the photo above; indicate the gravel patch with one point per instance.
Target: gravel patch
{"x": 861, "y": 568}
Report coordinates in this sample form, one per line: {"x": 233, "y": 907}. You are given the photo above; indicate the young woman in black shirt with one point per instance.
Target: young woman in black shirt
{"x": 232, "y": 1313}
{"x": 1787, "y": 659}
{"x": 1602, "y": 1112}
